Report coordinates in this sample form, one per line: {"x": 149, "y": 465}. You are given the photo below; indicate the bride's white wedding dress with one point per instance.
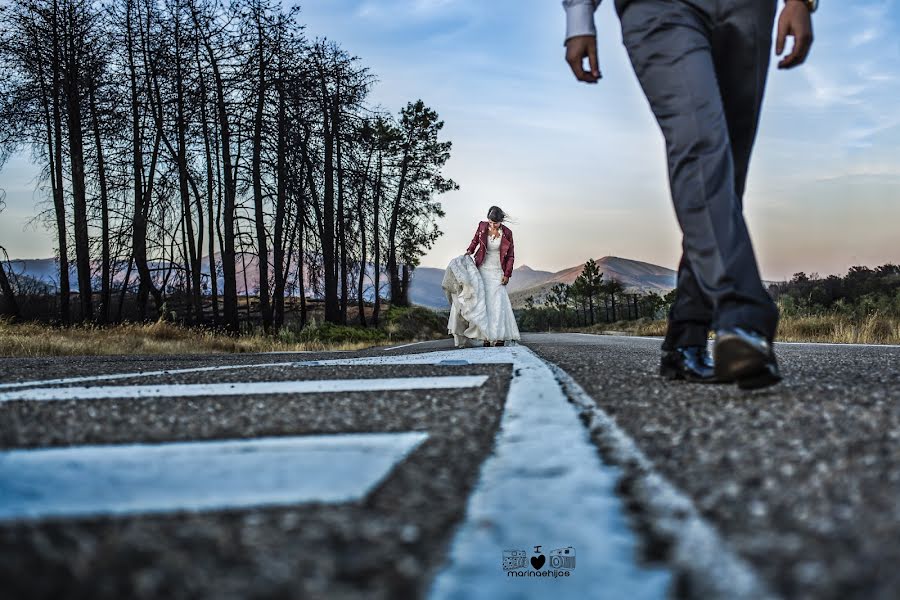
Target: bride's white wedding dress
{"x": 501, "y": 322}
{"x": 479, "y": 304}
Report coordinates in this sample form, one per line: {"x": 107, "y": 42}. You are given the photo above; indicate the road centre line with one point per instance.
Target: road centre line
{"x": 197, "y": 476}
{"x": 249, "y": 388}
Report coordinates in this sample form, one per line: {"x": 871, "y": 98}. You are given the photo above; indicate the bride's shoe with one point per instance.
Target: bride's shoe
{"x": 499, "y": 343}
{"x": 487, "y": 344}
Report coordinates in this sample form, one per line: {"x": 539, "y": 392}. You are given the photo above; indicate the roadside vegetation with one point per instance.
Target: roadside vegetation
{"x": 862, "y": 307}
{"x": 34, "y": 339}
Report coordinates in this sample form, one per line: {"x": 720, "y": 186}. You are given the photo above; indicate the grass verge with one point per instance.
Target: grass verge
{"x": 836, "y": 329}
{"x": 37, "y": 339}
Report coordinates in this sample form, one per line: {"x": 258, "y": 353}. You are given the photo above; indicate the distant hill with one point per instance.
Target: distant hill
{"x": 425, "y": 289}
{"x": 525, "y": 281}
{"x": 634, "y": 275}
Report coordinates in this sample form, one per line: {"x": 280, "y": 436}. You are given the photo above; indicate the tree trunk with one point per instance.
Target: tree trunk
{"x": 59, "y": 203}
{"x": 362, "y": 242}
{"x": 332, "y": 310}
{"x": 229, "y": 273}
{"x": 105, "y": 265}
{"x": 210, "y": 197}
{"x": 342, "y": 220}
{"x": 397, "y": 296}
{"x": 376, "y": 242}
{"x": 265, "y": 308}
{"x": 71, "y": 81}
{"x": 280, "y": 205}
{"x": 9, "y": 307}
{"x": 141, "y": 200}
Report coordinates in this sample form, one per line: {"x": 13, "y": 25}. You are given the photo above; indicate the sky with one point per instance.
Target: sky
{"x": 581, "y": 169}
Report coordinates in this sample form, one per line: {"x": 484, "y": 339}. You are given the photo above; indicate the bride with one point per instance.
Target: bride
{"x": 494, "y": 255}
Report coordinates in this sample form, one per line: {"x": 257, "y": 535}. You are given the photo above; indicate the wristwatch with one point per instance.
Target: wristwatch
{"x": 811, "y": 5}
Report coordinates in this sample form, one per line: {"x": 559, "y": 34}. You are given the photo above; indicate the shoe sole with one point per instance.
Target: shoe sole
{"x": 738, "y": 361}
{"x": 674, "y": 374}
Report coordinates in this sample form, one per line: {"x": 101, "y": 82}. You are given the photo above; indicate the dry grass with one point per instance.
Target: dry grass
{"x": 640, "y": 327}
{"x": 31, "y": 339}
{"x": 873, "y": 329}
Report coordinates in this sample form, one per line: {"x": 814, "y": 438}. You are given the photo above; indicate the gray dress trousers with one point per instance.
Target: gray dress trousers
{"x": 702, "y": 65}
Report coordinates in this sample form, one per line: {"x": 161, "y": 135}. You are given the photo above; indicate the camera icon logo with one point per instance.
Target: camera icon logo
{"x": 563, "y": 558}
{"x": 514, "y": 559}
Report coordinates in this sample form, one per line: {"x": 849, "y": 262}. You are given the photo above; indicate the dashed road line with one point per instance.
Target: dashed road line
{"x": 246, "y": 389}
{"x": 194, "y": 476}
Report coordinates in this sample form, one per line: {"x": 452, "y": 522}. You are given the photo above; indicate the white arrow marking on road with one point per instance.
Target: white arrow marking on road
{"x": 242, "y": 389}
{"x": 192, "y": 476}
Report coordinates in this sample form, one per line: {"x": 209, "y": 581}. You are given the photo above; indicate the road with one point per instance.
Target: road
{"x": 420, "y": 471}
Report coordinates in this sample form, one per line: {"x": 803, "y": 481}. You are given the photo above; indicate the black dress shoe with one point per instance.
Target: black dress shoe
{"x": 691, "y": 363}
{"x": 745, "y": 357}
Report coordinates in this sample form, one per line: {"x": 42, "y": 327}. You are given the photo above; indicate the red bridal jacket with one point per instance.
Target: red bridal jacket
{"x": 507, "y": 254}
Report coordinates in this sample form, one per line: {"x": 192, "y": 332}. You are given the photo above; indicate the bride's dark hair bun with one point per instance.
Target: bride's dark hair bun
{"x": 496, "y": 214}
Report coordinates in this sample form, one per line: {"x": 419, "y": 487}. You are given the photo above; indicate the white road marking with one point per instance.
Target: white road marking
{"x": 252, "y": 388}
{"x": 390, "y": 348}
{"x": 698, "y": 549}
{"x": 544, "y": 485}
{"x": 115, "y": 376}
{"x": 194, "y": 476}
{"x": 840, "y": 345}
{"x": 711, "y": 342}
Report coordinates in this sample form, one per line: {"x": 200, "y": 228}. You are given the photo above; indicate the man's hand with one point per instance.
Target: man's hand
{"x": 505, "y": 280}
{"x": 794, "y": 22}
{"x": 577, "y": 49}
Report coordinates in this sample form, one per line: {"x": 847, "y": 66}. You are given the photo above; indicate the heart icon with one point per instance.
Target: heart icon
{"x": 538, "y": 561}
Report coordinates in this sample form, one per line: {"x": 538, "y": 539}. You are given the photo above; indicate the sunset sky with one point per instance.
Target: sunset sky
{"x": 581, "y": 168}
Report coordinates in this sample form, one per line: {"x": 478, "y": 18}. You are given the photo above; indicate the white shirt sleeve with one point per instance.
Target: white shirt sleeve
{"x": 580, "y": 17}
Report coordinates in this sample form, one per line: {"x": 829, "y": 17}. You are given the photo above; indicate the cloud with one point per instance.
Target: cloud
{"x": 405, "y": 12}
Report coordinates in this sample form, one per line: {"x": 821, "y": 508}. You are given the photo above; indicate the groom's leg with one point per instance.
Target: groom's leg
{"x": 670, "y": 43}
{"x": 691, "y": 314}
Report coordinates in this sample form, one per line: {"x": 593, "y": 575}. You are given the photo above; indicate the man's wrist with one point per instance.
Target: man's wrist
{"x": 811, "y": 5}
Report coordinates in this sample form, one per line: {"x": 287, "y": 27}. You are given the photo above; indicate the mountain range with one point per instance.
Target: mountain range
{"x": 634, "y": 275}
{"x": 425, "y": 289}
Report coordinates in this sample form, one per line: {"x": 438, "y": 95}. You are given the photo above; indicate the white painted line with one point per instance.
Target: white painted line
{"x": 391, "y": 348}
{"x": 195, "y": 476}
{"x": 115, "y": 376}
{"x": 253, "y": 388}
{"x": 613, "y": 335}
{"x": 715, "y": 571}
{"x": 545, "y": 485}
{"x": 777, "y": 343}
{"x": 840, "y": 345}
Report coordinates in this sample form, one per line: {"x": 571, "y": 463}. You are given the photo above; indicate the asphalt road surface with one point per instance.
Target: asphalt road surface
{"x": 561, "y": 468}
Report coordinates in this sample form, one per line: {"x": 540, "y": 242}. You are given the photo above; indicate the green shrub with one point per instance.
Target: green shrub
{"x": 415, "y": 323}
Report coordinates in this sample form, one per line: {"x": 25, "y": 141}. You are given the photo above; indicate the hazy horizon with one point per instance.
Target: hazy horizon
{"x": 581, "y": 168}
